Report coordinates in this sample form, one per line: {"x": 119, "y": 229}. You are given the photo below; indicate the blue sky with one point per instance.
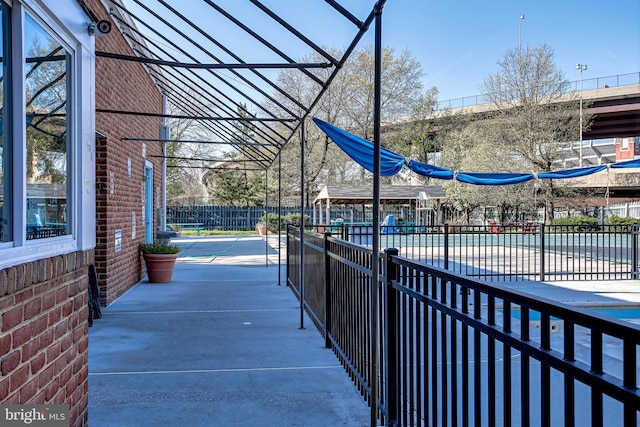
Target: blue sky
{"x": 459, "y": 42}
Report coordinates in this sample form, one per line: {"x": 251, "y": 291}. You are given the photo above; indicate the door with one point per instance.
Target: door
{"x": 148, "y": 204}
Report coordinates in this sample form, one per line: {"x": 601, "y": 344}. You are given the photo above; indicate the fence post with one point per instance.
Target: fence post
{"x": 286, "y": 271}
{"x": 446, "y": 246}
{"x": 634, "y": 251}
{"x": 542, "y": 250}
{"x": 391, "y": 343}
{"x": 327, "y": 292}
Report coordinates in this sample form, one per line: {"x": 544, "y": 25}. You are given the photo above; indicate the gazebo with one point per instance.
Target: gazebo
{"x": 362, "y": 195}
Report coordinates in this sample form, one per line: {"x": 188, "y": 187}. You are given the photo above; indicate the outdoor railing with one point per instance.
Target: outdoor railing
{"x": 514, "y": 250}
{"x": 574, "y": 86}
{"x": 453, "y": 350}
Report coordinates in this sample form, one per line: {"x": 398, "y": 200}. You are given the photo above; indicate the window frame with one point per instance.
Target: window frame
{"x": 65, "y": 21}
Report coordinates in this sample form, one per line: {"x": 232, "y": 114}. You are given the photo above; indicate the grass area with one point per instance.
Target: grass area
{"x": 218, "y": 232}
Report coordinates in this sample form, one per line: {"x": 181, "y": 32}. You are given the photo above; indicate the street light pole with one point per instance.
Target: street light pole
{"x": 581, "y": 67}
{"x": 520, "y": 31}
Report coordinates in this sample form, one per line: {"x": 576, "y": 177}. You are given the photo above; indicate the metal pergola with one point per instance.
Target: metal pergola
{"x": 218, "y": 63}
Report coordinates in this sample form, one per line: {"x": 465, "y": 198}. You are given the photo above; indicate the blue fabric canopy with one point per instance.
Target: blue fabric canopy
{"x": 486, "y": 178}
{"x": 571, "y": 173}
{"x": 431, "y": 171}
{"x": 361, "y": 151}
{"x": 629, "y": 164}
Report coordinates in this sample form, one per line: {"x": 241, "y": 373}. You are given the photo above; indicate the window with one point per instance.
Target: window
{"x": 46, "y": 68}
{"x": 47, "y": 130}
{"x": 6, "y": 173}
{"x": 624, "y": 144}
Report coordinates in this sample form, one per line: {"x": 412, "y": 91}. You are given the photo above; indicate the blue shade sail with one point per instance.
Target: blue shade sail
{"x": 571, "y": 173}
{"x": 361, "y": 150}
{"x": 430, "y": 171}
{"x": 488, "y": 178}
{"x": 629, "y": 164}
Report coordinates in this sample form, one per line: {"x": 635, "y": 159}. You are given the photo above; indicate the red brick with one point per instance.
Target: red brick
{"x": 21, "y": 335}
{"x": 40, "y": 398}
{"x": 39, "y": 325}
{"x": 62, "y": 295}
{"x": 3, "y": 283}
{"x": 5, "y": 344}
{"x": 48, "y": 301}
{"x": 19, "y": 377}
{"x": 66, "y": 343}
{"x": 32, "y": 308}
{"x": 30, "y": 349}
{"x": 38, "y": 363}
{"x": 4, "y": 388}
{"x": 11, "y": 318}
{"x": 52, "y": 389}
{"x": 54, "y": 316}
{"x": 46, "y": 338}
{"x": 28, "y": 390}
{"x": 67, "y": 309}
{"x": 53, "y": 351}
{"x": 6, "y": 302}
{"x": 65, "y": 375}
{"x": 10, "y": 362}
{"x": 23, "y": 295}
{"x": 45, "y": 376}
{"x": 61, "y": 328}
{"x": 60, "y": 364}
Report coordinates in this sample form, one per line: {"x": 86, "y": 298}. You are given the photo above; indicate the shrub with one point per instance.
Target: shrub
{"x": 275, "y": 222}
{"x": 616, "y": 223}
{"x": 158, "y": 248}
{"x": 575, "y": 223}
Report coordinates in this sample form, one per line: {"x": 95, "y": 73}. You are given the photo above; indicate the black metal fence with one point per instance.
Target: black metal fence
{"x": 514, "y": 251}
{"x": 457, "y": 351}
{"x": 222, "y": 217}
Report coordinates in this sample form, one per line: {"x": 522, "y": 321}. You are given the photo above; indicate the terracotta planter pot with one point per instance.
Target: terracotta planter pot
{"x": 160, "y": 267}
{"x": 262, "y": 230}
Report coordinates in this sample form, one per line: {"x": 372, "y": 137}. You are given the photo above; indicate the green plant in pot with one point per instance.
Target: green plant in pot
{"x": 160, "y": 259}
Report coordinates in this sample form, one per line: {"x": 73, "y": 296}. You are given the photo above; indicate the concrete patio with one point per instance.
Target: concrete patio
{"x": 219, "y": 345}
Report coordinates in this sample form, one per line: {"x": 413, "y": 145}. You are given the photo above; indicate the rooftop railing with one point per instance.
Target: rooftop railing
{"x": 574, "y": 86}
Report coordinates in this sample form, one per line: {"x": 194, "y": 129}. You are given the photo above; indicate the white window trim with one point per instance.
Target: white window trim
{"x": 66, "y": 20}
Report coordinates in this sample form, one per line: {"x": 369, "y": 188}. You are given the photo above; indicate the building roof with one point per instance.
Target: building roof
{"x": 389, "y": 194}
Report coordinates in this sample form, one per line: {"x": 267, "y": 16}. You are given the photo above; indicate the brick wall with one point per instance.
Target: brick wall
{"x": 44, "y": 327}
{"x": 122, "y": 85}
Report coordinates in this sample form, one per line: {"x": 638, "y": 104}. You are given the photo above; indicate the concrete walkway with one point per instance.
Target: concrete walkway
{"x": 218, "y": 346}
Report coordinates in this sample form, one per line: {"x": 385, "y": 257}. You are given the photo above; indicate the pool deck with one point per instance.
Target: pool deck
{"x": 585, "y": 293}
{"x": 220, "y": 345}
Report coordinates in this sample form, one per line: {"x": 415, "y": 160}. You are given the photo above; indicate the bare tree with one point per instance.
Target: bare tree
{"x": 347, "y": 103}
{"x": 187, "y": 161}
{"x": 536, "y": 118}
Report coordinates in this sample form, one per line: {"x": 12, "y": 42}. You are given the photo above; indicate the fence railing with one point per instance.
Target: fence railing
{"x": 512, "y": 251}
{"x": 457, "y": 351}
{"x": 223, "y": 217}
{"x": 574, "y": 86}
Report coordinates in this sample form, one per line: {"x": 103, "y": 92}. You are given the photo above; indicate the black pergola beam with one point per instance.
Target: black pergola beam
{"x": 179, "y": 116}
{"x": 214, "y": 66}
{"x": 194, "y": 141}
{"x": 213, "y": 169}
